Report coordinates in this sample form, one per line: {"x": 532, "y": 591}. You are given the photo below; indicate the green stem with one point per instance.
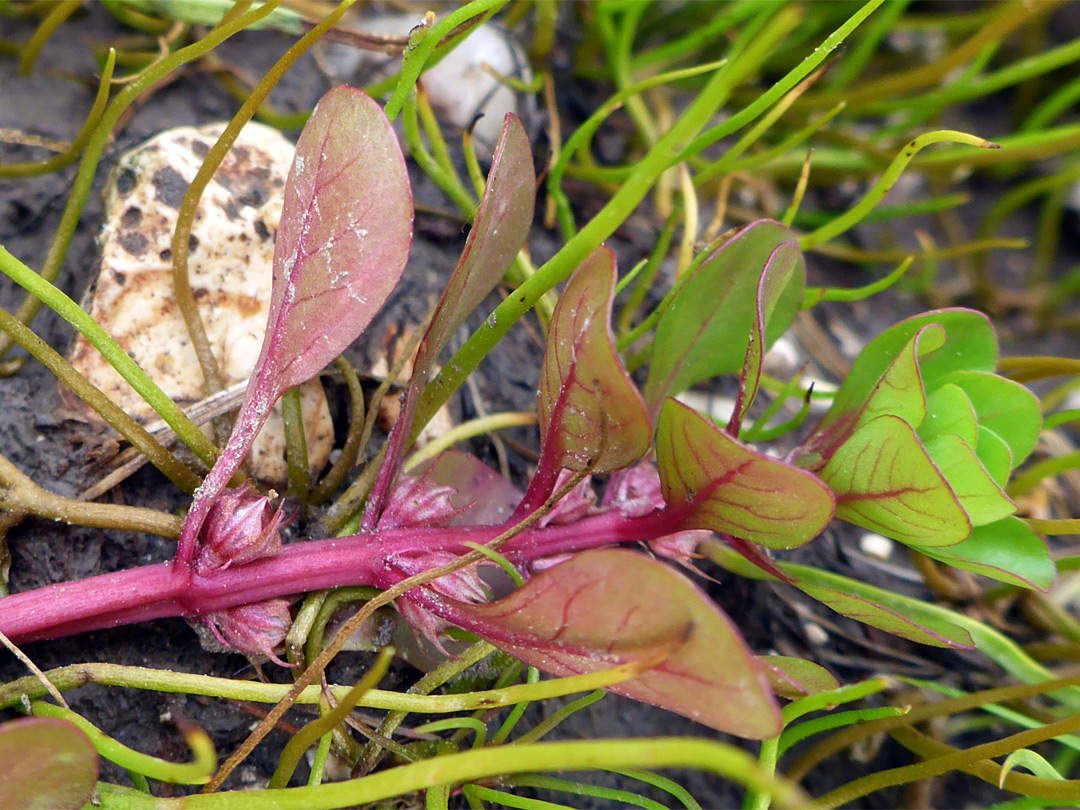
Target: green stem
{"x": 197, "y": 772}
{"x": 721, "y": 759}
{"x": 84, "y": 178}
{"x": 296, "y": 451}
{"x": 171, "y": 682}
{"x": 468, "y": 430}
{"x": 97, "y": 401}
{"x": 667, "y": 152}
{"x": 886, "y": 182}
{"x": 71, "y": 154}
{"x": 1033, "y": 475}
{"x": 416, "y": 55}
{"x": 56, "y": 16}
{"x": 111, "y": 351}
{"x": 349, "y": 453}
{"x": 19, "y": 494}
{"x": 306, "y": 737}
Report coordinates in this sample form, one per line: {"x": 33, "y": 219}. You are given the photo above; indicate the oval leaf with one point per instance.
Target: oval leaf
{"x": 949, "y": 412}
{"x": 45, "y": 763}
{"x": 884, "y": 481}
{"x": 704, "y": 330}
{"x": 970, "y": 343}
{"x": 591, "y": 414}
{"x": 1005, "y": 407}
{"x": 793, "y": 678}
{"x": 346, "y": 228}
{"x": 481, "y": 496}
{"x": 1008, "y": 550}
{"x": 724, "y": 486}
{"x": 979, "y": 495}
{"x": 501, "y": 226}
{"x": 612, "y": 606}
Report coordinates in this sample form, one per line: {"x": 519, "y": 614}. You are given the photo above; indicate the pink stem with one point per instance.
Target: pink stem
{"x": 174, "y": 589}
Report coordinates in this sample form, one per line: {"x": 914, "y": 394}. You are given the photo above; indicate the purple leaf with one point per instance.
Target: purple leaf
{"x": 609, "y": 607}
{"x": 346, "y": 228}
{"x": 722, "y": 485}
{"x": 481, "y": 496}
{"x": 591, "y": 414}
{"x": 502, "y": 224}
{"x": 45, "y": 763}
{"x": 498, "y": 233}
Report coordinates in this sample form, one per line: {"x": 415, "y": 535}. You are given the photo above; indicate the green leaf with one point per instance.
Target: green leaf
{"x": 705, "y": 329}
{"x": 884, "y": 481}
{"x": 949, "y": 411}
{"x": 899, "y": 392}
{"x": 1028, "y": 759}
{"x": 1006, "y": 407}
{"x": 978, "y": 493}
{"x": 724, "y": 486}
{"x": 1008, "y": 551}
{"x": 590, "y": 412}
{"x": 793, "y": 678}
{"x": 970, "y": 343}
{"x": 613, "y": 606}
{"x": 853, "y": 599}
{"x": 863, "y": 610}
{"x": 45, "y": 763}
{"x": 995, "y": 455}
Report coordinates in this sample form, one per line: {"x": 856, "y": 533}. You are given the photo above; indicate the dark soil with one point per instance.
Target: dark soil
{"x": 56, "y": 456}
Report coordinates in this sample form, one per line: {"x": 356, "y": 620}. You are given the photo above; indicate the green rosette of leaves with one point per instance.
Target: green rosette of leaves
{"x": 921, "y": 440}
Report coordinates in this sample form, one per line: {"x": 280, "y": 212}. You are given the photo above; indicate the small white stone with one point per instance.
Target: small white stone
{"x": 876, "y": 545}
{"x": 815, "y": 633}
{"x": 230, "y": 270}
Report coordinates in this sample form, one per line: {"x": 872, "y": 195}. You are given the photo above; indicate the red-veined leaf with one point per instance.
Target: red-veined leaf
{"x": 612, "y": 606}
{"x": 861, "y": 609}
{"x": 45, "y": 763}
{"x": 481, "y": 496}
{"x": 884, "y": 481}
{"x": 500, "y": 229}
{"x": 722, "y": 485}
{"x": 979, "y": 495}
{"x": 346, "y": 228}
{"x": 591, "y": 414}
{"x": 970, "y": 343}
{"x": 704, "y": 330}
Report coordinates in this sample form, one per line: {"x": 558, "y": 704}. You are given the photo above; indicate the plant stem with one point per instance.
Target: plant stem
{"x": 97, "y": 401}
{"x": 173, "y": 589}
{"x": 111, "y": 351}
{"x": 721, "y": 759}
